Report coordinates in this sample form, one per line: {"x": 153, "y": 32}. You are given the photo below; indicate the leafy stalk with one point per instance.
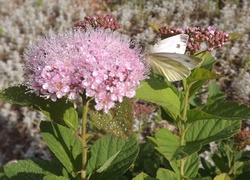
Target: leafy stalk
{"x": 85, "y": 104}
{"x": 182, "y": 127}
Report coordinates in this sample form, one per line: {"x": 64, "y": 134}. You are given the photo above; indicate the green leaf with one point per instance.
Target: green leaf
{"x": 143, "y": 176}
{"x": 199, "y": 74}
{"x": 32, "y": 169}
{"x": 208, "y": 60}
{"x": 223, "y": 110}
{"x": 206, "y": 131}
{"x": 163, "y": 173}
{"x": 53, "y": 177}
{"x": 207, "y": 63}
{"x": 70, "y": 117}
{"x": 198, "y": 78}
{"x": 111, "y": 157}
{"x": 196, "y": 86}
{"x": 187, "y": 150}
{"x": 119, "y": 120}
{"x": 160, "y": 93}
{"x": 222, "y": 176}
{"x": 167, "y": 143}
{"x": 226, "y": 109}
{"x": 215, "y": 94}
{"x": 243, "y": 176}
{"x": 191, "y": 166}
{"x": 154, "y": 26}
{"x": 234, "y": 36}
{"x": 2, "y": 174}
{"x": 65, "y": 144}
{"x": 61, "y": 111}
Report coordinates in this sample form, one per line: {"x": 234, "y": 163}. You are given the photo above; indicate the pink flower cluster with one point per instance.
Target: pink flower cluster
{"x": 197, "y": 35}
{"x": 99, "y": 63}
{"x": 99, "y": 21}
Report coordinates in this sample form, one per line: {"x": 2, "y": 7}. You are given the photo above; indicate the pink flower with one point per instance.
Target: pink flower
{"x": 211, "y": 29}
{"x": 99, "y": 63}
{"x": 210, "y": 37}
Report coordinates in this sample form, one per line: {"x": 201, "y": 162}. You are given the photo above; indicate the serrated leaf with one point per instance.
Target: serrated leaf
{"x": 111, "y": 157}
{"x": 167, "y": 143}
{"x": 199, "y": 74}
{"x": 206, "y": 131}
{"x": 166, "y": 173}
{"x": 222, "y": 110}
{"x": 119, "y": 120}
{"x": 61, "y": 111}
{"x": 143, "y": 176}
{"x": 32, "y": 169}
{"x": 159, "y": 93}
{"x": 64, "y": 143}
{"x": 191, "y": 166}
{"x": 226, "y": 109}
{"x": 197, "y": 114}
{"x": 222, "y": 176}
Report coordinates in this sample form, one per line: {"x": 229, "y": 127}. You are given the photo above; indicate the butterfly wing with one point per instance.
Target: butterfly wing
{"x": 173, "y": 44}
{"x": 168, "y": 59}
{"x": 187, "y": 60}
{"x": 167, "y": 67}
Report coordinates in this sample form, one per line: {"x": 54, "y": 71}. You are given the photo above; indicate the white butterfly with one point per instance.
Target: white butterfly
{"x": 168, "y": 59}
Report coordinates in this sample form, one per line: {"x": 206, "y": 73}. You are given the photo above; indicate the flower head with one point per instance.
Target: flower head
{"x": 99, "y": 21}
{"x": 98, "y": 63}
{"x": 197, "y": 36}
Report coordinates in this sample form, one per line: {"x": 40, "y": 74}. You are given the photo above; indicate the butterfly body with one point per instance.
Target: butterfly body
{"x": 168, "y": 59}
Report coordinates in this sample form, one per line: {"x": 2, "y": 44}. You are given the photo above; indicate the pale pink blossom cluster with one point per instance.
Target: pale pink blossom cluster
{"x": 106, "y": 21}
{"x": 98, "y": 63}
{"x": 211, "y": 37}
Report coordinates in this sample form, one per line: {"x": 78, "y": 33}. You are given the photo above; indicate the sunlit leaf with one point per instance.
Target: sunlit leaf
{"x": 159, "y": 93}
{"x": 201, "y": 74}
{"x": 32, "y": 169}
{"x": 111, "y": 157}
{"x": 163, "y": 173}
{"x": 206, "y": 131}
{"x": 61, "y": 111}
{"x": 167, "y": 143}
{"x": 53, "y": 177}
{"x": 191, "y": 166}
{"x": 143, "y": 176}
{"x": 65, "y": 144}
{"x": 208, "y": 60}
{"x": 222, "y": 176}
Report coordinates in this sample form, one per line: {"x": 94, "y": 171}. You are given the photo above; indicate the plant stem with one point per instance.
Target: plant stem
{"x": 182, "y": 129}
{"x": 85, "y": 104}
